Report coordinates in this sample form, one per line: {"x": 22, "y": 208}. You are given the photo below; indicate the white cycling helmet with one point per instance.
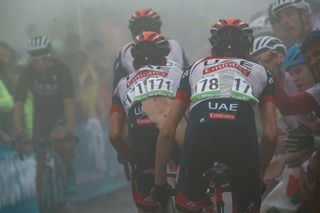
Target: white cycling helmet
{"x": 264, "y": 43}
{"x": 279, "y": 5}
{"x": 38, "y": 45}
{"x": 261, "y": 27}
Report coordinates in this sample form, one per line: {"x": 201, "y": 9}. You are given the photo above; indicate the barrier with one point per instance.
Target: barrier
{"x": 97, "y": 171}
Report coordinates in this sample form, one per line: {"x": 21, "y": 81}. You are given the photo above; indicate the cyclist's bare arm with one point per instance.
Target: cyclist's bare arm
{"x": 69, "y": 113}
{"x": 116, "y": 129}
{"x": 269, "y": 136}
{"x": 165, "y": 141}
{"x": 17, "y": 118}
{"x": 276, "y": 166}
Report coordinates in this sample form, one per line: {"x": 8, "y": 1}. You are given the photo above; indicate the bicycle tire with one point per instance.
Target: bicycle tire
{"x": 44, "y": 197}
{"x": 53, "y": 194}
{"x": 59, "y": 180}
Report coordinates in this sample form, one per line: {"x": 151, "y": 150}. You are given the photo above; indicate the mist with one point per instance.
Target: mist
{"x": 186, "y": 21}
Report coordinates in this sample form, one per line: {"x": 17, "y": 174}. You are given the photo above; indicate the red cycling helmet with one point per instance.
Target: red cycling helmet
{"x": 231, "y": 33}
{"x": 144, "y": 20}
{"x": 150, "y": 44}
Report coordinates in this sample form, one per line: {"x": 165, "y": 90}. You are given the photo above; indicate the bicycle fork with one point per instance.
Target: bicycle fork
{"x": 219, "y": 200}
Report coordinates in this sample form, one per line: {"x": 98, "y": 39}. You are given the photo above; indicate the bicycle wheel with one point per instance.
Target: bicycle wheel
{"x": 170, "y": 206}
{"x": 45, "y": 197}
{"x": 52, "y": 193}
{"x": 59, "y": 184}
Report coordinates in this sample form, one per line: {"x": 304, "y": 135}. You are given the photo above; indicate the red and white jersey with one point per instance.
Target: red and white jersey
{"x": 213, "y": 77}
{"x": 315, "y": 92}
{"x": 147, "y": 82}
{"x": 176, "y": 54}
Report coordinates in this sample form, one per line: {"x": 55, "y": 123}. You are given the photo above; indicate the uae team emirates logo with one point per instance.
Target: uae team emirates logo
{"x": 219, "y": 115}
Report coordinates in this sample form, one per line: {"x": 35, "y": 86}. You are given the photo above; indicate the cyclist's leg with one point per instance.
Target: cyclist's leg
{"x": 65, "y": 150}
{"x": 242, "y": 156}
{"x": 143, "y": 139}
{"x": 142, "y": 182}
{"x": 197, "y": 156}
{"x": 40, "y": 135}
{"x": 245, "y": 182}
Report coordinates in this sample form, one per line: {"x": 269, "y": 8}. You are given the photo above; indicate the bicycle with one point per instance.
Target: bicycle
{"x": 52, "y": 195}
{"x": 168, "y": 206}
{"x": 218, "y": 176}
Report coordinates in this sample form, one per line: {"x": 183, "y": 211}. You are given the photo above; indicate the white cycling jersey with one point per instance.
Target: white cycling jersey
{"x": 147, "y": 82}
{"x": 213, "y": 77}
{"x": 176, "y": 54}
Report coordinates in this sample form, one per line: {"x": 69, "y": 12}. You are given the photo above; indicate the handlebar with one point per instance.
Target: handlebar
{"x": 40, "y": 144}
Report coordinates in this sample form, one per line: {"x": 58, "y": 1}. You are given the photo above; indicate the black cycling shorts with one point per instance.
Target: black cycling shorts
{"x": 142, "y": 183}
{"x": 142, "y": 135}
{"x": 221, "y": 130}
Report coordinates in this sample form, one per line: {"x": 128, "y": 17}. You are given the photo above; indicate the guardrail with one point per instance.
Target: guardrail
{"x": 97, "y": 171}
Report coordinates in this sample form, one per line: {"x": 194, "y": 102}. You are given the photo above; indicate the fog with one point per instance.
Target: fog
{"x": 186, "y": 21}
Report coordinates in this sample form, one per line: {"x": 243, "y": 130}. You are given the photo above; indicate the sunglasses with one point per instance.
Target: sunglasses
{"x": 41, "y": 59}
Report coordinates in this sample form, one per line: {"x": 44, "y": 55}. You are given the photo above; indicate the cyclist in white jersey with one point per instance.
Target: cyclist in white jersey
{"x": 220, "y": 92}
{"x": 140, "y": 21}
{"x": 155, "y": 77}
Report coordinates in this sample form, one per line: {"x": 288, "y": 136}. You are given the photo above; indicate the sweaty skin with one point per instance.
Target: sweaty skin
{"x": 157, "y": 109}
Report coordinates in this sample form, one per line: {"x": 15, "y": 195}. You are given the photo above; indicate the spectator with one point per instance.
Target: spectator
{"x": 290, "y": 20}
{"x": 6, "y": 99}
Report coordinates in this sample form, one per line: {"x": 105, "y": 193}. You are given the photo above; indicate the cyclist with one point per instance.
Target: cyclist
{"x": 269, "y": 52}
{"x": 311, "y": 97}
{"x": 220, "y": 92}
{"x": 51, "y": 85}
{"x": 6, "y": 99}
{"x": 155, "y": 77}
{"x": 144, "y": 20}
{"x": 261, "y": 26}
{"x": 292, "y": 18}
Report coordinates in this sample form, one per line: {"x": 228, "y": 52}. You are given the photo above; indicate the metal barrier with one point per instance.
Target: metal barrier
{"x": 97, "y": 171}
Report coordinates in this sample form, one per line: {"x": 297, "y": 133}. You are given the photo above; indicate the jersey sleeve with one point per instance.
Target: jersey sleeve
{"x": 23, "y": 86}
{"x": 315, "y": 92}
{"x": 119, "y": 71}
{"x": 303, "y": 102}
{"x": 268, "y": 93}
{"x": 185, "y": 61}
{"x": 116, "y": 102}
{"x": 184, "y": 90}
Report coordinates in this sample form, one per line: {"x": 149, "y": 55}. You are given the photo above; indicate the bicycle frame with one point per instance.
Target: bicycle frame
{"x": 52, "y": 197}
{"x": 218, "y": 176}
